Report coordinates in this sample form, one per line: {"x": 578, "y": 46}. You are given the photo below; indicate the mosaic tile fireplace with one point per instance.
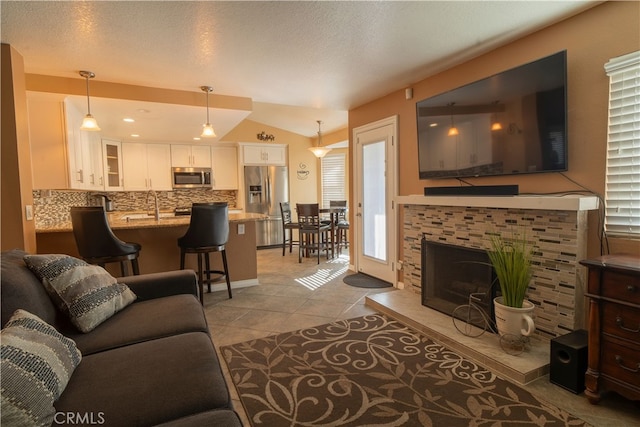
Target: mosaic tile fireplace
{"x": 556, "y": 230}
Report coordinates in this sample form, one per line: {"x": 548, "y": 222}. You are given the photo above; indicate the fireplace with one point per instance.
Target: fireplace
{"x": 451, "y": 273}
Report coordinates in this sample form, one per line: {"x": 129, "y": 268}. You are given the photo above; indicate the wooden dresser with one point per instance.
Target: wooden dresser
{"x": 614, "y": 326}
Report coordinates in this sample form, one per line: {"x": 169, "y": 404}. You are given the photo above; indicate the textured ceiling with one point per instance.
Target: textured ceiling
{"x": 308, "y": 58}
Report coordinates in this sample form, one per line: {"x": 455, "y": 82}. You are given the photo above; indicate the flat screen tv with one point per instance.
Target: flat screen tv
{"x": 513, "y": 122}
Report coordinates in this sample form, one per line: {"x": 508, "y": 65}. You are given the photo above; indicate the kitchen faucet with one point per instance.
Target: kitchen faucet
{"x": 157, "y": 208}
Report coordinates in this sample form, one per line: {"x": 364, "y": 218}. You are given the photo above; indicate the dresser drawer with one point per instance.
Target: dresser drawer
{"x": 621, "y": 362}
{"x": 621, "y": 321}
{"x": 623, "y": 287}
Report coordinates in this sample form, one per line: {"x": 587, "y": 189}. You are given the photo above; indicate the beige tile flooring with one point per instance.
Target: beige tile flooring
{"x": 292, "y": 296}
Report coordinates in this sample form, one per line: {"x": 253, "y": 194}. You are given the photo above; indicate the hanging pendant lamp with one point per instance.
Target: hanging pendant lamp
{"x": 319, "y": 151}
{"x": 453, "y": 131}
{"x": 207, "y": 129}
{"x": 89, "y": 122}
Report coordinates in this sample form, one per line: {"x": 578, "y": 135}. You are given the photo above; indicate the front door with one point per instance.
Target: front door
{"x": 375, "y": 186}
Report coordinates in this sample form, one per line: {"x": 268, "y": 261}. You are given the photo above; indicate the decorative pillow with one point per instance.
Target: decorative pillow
{"x": 36, "y": 363}
{"x": 87, "y": 293}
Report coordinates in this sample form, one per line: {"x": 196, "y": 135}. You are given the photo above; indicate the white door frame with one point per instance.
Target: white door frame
{"x": 392, "y": 174}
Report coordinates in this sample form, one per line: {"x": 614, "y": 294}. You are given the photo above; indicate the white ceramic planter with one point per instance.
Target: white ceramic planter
{"x": 514, "y": 321}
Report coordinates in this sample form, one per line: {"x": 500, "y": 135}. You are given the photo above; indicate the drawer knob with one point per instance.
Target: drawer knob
{"x": 631, "y": 288}
{"x": 620, "y": 324}
{"x": 620, "y": 363}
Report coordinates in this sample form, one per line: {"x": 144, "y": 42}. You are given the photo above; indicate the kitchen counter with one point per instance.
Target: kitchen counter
{"x": 118, "y": 221}
{"x": 159, "y": 240}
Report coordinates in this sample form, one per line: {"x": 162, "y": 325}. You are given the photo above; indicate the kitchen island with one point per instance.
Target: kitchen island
{"x": 159, "y": 240}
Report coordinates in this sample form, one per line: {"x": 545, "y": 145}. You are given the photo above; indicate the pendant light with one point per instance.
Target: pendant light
{"x": 89, "y": 122}
{"x": 453, "y": 131}
{"x": 319, "y": 151}
{"x": 207, "y": 129}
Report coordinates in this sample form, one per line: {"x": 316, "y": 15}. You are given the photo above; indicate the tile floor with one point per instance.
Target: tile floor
{"x": 292, "y": 296}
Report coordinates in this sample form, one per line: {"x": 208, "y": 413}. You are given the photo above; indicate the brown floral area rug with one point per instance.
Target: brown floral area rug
{"x": 374, "y": 371}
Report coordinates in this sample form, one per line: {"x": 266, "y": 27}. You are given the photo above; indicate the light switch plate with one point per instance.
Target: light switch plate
{"x": 28, "y": 211}
{"x": 240, "y": 228}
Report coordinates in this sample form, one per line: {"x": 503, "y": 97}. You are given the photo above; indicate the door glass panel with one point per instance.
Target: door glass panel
{"x": 374, "y": 218}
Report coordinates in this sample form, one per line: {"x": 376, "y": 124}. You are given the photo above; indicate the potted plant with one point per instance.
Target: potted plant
{"x": 511, "y": 260}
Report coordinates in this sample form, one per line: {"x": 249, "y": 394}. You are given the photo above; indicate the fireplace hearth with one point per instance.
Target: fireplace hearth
{"x": 451, "y": 273}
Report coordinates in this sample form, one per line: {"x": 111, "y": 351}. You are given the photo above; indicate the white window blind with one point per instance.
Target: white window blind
{"x": 622, "y": 198}
{"x": 333, "y": 178}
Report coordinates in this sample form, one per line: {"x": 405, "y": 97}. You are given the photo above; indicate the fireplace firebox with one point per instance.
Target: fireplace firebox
{"x": 451, "y": 273}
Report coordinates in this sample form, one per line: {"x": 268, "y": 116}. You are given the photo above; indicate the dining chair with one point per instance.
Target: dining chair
{"x": 208, "y": 232}
{"x": 287, "y": 224}
{"x": 341, "y": 225}
{"x": 96, "y": 242}
{"x": 314, "y": 235}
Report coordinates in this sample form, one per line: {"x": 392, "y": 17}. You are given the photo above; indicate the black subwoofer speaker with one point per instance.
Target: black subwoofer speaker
{"x": 569, "y": 360}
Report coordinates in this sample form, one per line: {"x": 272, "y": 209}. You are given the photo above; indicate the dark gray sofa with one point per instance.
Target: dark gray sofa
{"x": 153, "y": 363}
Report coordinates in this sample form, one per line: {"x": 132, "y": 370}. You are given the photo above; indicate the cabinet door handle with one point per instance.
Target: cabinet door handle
{"x": 620, "y": 324}
{"x": 631, "y": 288}
{"x": 620, "y": 362}
{"x": 80, "y": 175}
{"x": 93, "y": 178}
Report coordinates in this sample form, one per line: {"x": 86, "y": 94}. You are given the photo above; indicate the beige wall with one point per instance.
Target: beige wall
{"x": 16, "y": 230}
{"x": 591, "y": 39}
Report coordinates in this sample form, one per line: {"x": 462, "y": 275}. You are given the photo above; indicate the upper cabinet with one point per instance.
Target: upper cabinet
{"x": 85, "y": 153}
{"x": 264, "y": 154}
{"x": 112, "y": 165}
{"x": 224, "y": 161}
{"x": 190, "y": 156}
{"x": 146, "y": 166}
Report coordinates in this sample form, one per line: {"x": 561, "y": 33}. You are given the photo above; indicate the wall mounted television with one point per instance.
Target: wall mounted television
{"x": 514, "y": 122}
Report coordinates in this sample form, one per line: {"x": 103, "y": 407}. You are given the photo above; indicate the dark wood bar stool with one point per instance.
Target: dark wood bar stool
{"x": 208, "y": 232}
{"x": 96, "y": 242}
{"x": 287, "y": 224}
{"x": 314, "y": 235}
{"x": 341, "y": 224}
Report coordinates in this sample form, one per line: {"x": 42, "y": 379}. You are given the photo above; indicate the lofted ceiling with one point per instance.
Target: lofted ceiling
{"x": 298, "y": 61}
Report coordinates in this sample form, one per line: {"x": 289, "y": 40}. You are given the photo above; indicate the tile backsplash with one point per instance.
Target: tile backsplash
{"x": 52, "y": 207}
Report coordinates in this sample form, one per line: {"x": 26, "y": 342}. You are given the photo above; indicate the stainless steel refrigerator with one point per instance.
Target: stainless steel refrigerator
{"x": 265, "y": 187}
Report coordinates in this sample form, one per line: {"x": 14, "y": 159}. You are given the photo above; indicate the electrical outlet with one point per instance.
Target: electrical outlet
{"x": 28, "y": 211}
{"x": 240, "y": 228}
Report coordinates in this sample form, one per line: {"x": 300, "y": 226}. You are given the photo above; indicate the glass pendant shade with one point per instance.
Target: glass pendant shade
{"x": 89, "y": 123}
{"x": 453, "y": 131}
{"x": 496, "y": 126}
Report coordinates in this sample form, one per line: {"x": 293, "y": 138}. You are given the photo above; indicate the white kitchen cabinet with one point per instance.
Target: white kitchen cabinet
{"x": 264, "y": 154}
{"x": 112, "y": 165}
{"x": 146, "y": 166}
{"x": 190, "y": 156}
{"x": 84, "y": 153}
{"x": 224, "y": 166}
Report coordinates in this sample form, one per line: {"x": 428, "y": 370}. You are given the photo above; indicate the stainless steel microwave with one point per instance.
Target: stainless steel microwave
{"x": 191, "y": 177}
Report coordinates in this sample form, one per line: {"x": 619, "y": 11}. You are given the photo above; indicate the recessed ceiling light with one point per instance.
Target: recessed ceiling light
{"x": 433, "y": 125}
{"x": 128, "y": 120}
{"x": 142, "y": 110}
{"x": 196, "y": 138}
{"x": 135, "y": 135}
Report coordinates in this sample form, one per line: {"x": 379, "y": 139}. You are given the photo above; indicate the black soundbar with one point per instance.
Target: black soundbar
{"x": 473, "y": 190}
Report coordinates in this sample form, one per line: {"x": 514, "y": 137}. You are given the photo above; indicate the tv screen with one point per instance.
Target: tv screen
{"x": 510, "y": 123}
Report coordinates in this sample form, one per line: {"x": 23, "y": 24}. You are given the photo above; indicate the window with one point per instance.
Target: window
{"x": 333, "y": 178}
{"x": 622, "y": 194}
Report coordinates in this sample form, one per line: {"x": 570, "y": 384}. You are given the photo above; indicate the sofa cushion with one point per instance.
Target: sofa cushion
{"x": 36, "y": 364}
{"x": 22, "y": 289}
{"x": 87, "y": 293}
{"x": 142, "y": 321}
{"x": 148, "y": 383}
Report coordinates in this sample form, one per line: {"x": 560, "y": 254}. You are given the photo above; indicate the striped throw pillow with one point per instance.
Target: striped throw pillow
{"x": 36, "y": 362}
{"x": 87, "y": 293}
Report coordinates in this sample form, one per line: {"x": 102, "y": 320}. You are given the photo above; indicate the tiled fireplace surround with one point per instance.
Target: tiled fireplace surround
{"x": 557, "y": 229}
{"x": 558, "y": 238}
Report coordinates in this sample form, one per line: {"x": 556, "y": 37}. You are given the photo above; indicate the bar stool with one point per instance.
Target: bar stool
{"x": 208, "y": 232}
{"x": 96, "y": 242}
{"x": 311, "y": 228}
{"x": 287, "y": 224}
{"x": 342, "y": 224}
